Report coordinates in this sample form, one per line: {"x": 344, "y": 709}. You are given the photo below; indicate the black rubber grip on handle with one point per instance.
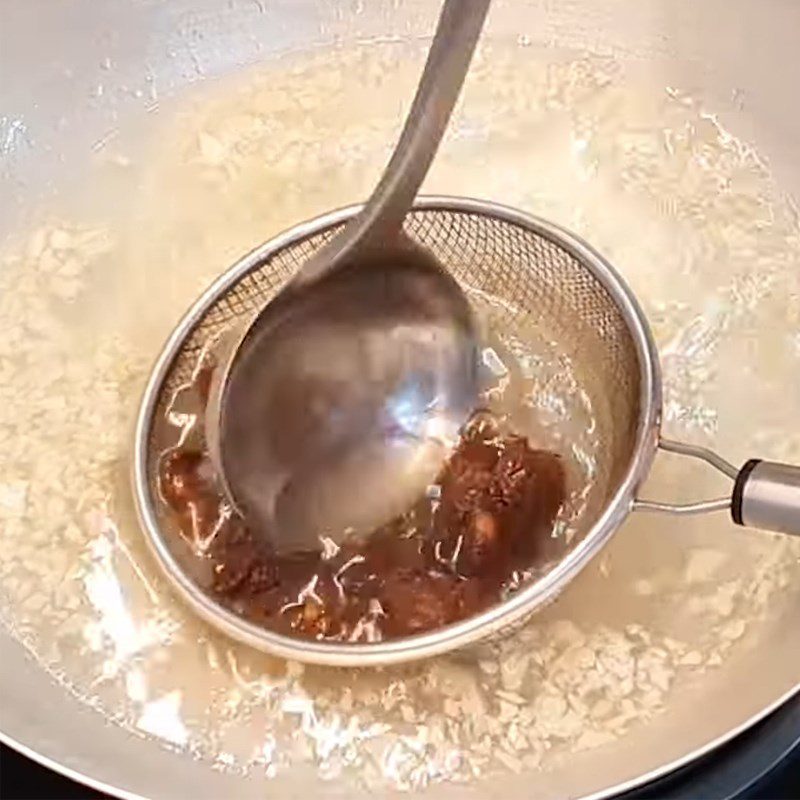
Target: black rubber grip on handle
{"x": 738, "y": 489}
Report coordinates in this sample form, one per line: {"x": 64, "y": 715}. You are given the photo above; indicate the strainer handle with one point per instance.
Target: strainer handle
{"x": 766, "y": 494}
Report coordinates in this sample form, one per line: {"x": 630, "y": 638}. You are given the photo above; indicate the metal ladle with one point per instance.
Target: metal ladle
{"x": 336, "y": 405}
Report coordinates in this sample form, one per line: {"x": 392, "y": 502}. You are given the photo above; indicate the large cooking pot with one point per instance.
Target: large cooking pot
{"x": 81, "y": 77}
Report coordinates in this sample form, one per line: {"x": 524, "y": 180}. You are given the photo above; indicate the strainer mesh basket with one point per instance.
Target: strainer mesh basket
{"x": 543, "y": 282}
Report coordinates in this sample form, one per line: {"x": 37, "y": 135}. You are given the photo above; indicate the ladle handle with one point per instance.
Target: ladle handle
{"x": 460, "y": 24}
{"x": 766, "y": 494}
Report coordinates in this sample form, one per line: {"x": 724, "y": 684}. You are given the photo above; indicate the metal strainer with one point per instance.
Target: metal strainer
{"x": 543, "y": 276}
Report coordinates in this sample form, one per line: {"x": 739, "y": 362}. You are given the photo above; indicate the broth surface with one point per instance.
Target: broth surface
{"x": 690, "y": 216}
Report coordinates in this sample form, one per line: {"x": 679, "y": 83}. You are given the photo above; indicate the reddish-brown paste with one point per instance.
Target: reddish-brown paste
{"x": 449, "y": 557}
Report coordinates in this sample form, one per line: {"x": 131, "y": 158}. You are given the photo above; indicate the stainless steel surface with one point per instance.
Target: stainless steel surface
{"x": 771, "y": 498}
{"x": 363, "y": 369}
{"x": 53, "y": 122}
{"x": 549, "y": 278}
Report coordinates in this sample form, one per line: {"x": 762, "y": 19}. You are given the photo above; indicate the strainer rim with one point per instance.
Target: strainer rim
{"x": 502, "y": 614}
